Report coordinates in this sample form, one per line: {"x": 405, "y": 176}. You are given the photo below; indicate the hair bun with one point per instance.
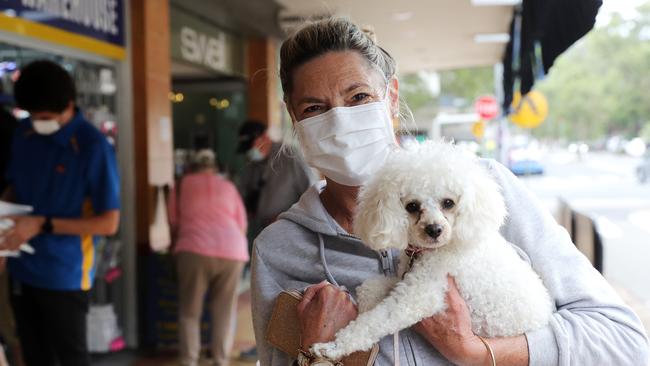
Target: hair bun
{"x": 205, "y": 156}
{"x": 369, "y": 31}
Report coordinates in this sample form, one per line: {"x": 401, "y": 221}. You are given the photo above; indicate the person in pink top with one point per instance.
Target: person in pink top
{"x": 209, "y": 218}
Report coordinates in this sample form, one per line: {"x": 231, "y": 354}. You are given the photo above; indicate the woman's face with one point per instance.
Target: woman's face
{"x": 337, "y": 79}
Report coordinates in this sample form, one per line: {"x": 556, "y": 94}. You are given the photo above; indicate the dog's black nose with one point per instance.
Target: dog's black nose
{"x": 433, "y": 230}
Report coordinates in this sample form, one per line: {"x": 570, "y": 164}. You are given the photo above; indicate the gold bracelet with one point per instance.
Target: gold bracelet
{"x": 487, "y": 345}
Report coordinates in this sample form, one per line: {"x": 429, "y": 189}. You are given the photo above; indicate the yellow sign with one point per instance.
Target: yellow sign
{"x": 478, "y": 129}
{"x": 58, "y": 36}
{"x": 529, "y": 111}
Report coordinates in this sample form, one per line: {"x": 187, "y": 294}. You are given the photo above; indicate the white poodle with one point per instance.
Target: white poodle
{"x": 444, "y": 210}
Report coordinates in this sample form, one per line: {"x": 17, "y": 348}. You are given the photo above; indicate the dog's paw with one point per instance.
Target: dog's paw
{"x": 329, "y": 350}
{"x": 373, "y": 291}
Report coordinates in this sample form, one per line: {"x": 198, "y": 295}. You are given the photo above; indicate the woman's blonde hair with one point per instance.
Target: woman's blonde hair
{"x": 331, "y": 34}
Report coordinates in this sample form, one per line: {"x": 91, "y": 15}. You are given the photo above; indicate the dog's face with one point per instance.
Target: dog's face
{"x": 430, "y": 218}
{"x": 428, "y": 196}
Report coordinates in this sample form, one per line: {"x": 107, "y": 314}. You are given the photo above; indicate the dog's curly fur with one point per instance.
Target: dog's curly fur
{"x": 435, "y": 197}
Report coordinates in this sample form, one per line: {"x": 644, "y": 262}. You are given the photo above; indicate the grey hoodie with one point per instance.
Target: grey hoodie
{"x": 591, "y": 326}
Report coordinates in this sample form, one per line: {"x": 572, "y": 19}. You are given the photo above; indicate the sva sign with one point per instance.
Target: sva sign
{"x": 203, "y": 49}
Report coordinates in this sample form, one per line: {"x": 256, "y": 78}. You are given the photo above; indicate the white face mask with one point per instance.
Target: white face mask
{"x": 348, "y": 144}
{"x": 46, "y": 126}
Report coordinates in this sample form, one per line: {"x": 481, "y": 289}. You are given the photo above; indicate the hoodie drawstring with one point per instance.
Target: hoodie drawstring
{"x": 321, "y": 251}
{"x": 385, "y": 266}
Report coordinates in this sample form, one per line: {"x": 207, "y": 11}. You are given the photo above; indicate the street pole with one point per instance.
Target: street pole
{"x": 502, "y": 129}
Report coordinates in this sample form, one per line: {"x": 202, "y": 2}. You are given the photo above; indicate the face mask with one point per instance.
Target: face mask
{"x": 46, "y": 126}
{"x": 254, "y": 154}
{"x": 348, "y": 144}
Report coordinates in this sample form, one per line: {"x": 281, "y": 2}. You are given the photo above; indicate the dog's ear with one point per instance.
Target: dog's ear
{"x": 380, "y": 220}
{"x": 481, "y": 208}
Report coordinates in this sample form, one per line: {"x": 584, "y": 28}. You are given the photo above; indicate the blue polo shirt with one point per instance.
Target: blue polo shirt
{"x": 69, "y": 174}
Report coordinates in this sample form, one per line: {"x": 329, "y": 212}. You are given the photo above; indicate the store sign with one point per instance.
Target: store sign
{"x": 530, "y": 110}
{"x": 100, "y": 20}
{"x": 203, "y": 49}
{"x": 203, "y": 44}
{"x": 487, "y": 107}
{"x": 478, "y": 129}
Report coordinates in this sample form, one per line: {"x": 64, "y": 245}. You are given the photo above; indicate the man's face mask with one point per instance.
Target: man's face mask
{"x": 46, "y": 126}
{"x": 254, "y": 154}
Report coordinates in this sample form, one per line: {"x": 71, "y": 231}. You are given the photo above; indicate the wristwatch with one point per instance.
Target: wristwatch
{"x": 47, "y": 226}
{"x": 307, "y": 359}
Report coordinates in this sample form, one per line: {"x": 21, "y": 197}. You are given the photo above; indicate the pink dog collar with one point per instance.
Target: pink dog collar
{"x": 413, "y": 253}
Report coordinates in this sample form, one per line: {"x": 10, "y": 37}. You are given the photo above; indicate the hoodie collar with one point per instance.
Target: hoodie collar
{"x": 310, "y": 213}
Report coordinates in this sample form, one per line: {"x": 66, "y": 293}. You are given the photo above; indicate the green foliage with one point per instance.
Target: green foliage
{"x": 600, "y": 86}
{"x": 415, "y": 92}
{"x": 467, "y": 84}
{"x": 462, "y": 85}
{"x": 645, "y": 132}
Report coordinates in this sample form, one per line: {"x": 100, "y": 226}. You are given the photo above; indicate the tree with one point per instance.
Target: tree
{"x": 416, "y": 92}
{"x": 458, "y": 89}
{"x": 467, "y": 84}
{"x": 600, "y": 86}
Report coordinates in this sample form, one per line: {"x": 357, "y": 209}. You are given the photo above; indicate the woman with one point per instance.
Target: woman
{"x": 211, "y": 250}
{"x": 337, "y": 83}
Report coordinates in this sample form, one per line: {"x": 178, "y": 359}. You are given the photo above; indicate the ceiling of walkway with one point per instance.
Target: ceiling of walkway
{"x": 420, "y": 34}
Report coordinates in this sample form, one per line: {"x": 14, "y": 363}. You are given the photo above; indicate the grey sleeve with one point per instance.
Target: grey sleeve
{"x": 592, "y": 325}
{"x": 264, "y": 290}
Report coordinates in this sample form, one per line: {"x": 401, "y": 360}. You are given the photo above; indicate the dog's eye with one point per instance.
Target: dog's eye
{"x": 447, "y": 203}
{"x": 413, "y": 207}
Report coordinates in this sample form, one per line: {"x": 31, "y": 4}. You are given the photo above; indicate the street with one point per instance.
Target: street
{"x": 603, "y": 186}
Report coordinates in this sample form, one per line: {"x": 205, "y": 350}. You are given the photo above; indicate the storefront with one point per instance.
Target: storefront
{"x": 209, "y": 97}
{"x": 208, "y": 100}
{"x": 88, "y": 38}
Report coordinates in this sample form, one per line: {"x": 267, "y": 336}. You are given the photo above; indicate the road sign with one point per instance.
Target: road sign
{"x": 478, "y": 129}
{"x": 529, "y": 111}
{"x": 487, "y": 107}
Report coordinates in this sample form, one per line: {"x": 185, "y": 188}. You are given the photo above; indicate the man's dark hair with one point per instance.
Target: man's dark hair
{"x": 44, "y": 86}
{"x": 248, "y": 132}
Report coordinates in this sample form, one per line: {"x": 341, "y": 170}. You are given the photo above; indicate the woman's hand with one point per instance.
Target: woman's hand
{"x": 451, "y": 332}
{"x": 324, "y": 310}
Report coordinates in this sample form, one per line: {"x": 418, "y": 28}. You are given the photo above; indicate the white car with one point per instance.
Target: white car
{"x": 636, "y": 147}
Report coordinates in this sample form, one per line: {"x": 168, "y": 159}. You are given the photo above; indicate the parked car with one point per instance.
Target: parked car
{"x": 525, "y": 160}
{"x": 635, "y": 147}
{"x": 579, "y": 148}
{"x": 616, "y": 144}
{"x": 643, "y": 169}
{"x": 526, "y": 167}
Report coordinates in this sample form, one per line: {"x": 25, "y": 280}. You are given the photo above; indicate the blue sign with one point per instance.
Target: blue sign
{"x": 102, "y": 20}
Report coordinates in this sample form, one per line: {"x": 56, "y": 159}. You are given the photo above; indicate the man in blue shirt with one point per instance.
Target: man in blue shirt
{"x": 65, "y": 168}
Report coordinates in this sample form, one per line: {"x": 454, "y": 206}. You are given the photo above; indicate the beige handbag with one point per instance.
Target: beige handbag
{"x": 283, "y": 331}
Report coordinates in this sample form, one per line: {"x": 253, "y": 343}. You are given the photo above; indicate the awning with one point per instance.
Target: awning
{"x": 420, "y": 34}
{"x": 540, "y": 31}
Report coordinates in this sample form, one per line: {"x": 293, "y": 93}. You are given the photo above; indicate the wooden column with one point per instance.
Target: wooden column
{"x": 152, "y": 109}
{"x": 263, "y": 98}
